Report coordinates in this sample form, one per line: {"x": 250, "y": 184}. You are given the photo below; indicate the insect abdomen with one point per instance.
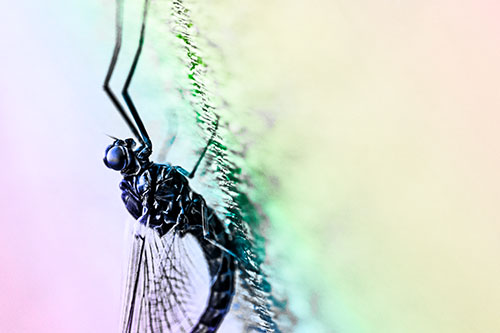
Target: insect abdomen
{"x": 221, "y": 292}
{"x": 222, "y": 267}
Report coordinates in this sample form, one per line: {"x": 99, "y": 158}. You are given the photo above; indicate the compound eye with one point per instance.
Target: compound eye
{"x": 116, "y": 158}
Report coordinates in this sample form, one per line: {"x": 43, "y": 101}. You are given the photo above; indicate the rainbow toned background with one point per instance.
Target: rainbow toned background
{"x": 374, "y": 130}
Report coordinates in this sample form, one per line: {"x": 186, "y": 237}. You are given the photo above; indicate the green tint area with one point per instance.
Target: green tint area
{"x": 222, "y": 178}
{"x": 361, "y": 146}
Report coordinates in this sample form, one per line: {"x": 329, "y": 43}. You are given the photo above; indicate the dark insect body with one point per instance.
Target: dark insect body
{"x": 159, "y": 197}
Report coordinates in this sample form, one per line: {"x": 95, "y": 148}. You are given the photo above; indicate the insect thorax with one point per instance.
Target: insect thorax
{"x": 163, "y": 193}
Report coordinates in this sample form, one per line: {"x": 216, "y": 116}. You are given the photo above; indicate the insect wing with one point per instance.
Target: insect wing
{"x": 167, "y": 284}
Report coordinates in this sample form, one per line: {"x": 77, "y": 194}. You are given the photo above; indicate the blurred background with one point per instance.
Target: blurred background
{"x": 373, "y": 127}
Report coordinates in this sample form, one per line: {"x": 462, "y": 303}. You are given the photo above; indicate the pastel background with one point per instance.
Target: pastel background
{"x": 375, "y": 128}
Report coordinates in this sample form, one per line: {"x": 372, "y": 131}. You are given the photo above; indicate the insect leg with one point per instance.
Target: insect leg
{"x": 214, "y": 243}
{"x": 171, "y": 136}
{"x": 204, "y": 219}
{"x": 111, "y": 68}
{"x": 125, "y": 94}
{"x": 211, "y": 236}
{"x": 216, "y": 125}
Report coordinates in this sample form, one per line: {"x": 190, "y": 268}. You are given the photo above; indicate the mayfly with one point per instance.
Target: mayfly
{"x": 167, "y": 211}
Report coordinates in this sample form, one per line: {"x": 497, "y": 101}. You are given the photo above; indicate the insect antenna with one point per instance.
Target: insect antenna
{"x": 125, "y": 94}
{"x": 112, "y": 137}
{"x": 111, "y": 68}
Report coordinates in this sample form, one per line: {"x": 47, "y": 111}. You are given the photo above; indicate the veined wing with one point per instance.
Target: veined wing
{"x": 168, "y": 282}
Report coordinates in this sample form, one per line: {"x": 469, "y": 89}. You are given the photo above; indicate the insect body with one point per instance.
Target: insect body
{"x": 159, "y": 197}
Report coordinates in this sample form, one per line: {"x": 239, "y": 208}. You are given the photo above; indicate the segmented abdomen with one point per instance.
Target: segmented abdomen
{"x": 221, "y": 295}
{"x": 222, "y": 267}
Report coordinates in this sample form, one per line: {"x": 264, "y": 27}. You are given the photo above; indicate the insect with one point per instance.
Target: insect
{"x": 171, "y": 218}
